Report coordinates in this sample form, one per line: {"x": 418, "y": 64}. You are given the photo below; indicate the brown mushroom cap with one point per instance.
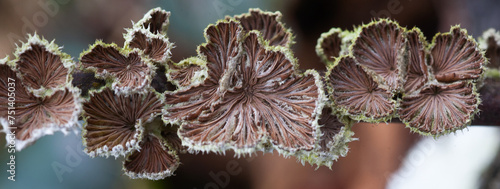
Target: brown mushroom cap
{"x": 440, "y": 108}
{"x": 330, "y": 45}
{"x": 42, "y": 68}
{"x": 184, "y": 72}
{"x": 455, "y": 57}
{"x": 33, "y": 116}
{"x": 157, "y": 20}
{"x": 417, "y": 72}
{"x": 379, "y": 48}
{"x": 331, "y": 127}
{"x": 36, "y": 97}
{"x": 220, "y": 52}
{"x": 114, "y": 122}
{"x": 129, "y": 70}
{"x": 153, "y": 161}
{"x": 355, "y": 92}
{"x": 265, "y": 97}
{"x": 268, "y": 24}
{"x": 157, "y": 47}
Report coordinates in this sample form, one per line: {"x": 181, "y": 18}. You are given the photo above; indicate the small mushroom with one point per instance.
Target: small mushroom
{"x": 36, "y": 95}
{"x": 417, "y": 71}
{"x": 31, "y": 111}
{"x": 190, "y": 71}
{"x": 153, "y": 161}
{"x": 335, "y": 135}
{"x": 490, "y": 43}
{"x": 42, "y": 66}
{"x": 157, "y": 157}
{"x": 379, "y": 49}
{"x": 456, "y": 57}
{"x": 355, "y": 93}
{"x": 126, "y": 68}
{"x": 333, "y": 44}
{"x": 156, "y": 20}
{"x": 253, "y": 97}
{"x": 440, "y": 108}
{"x": 155, "y": 46}
{"x": 268, "y": 24}
{"x": 114, "y": 123}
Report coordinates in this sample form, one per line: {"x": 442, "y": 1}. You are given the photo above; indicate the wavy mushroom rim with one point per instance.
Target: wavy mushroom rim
{"x": 263, "y": 142}
{"x": 330, "y": 146}
{"x": 152, "y": 149}
{"x": 67, "y": 114}
{"x": 155, "y": 20}
{"x": 418, "y": 71}
{"x": 366, "y": 84}
{"x": 143, "y": 116}
{"x": 188, "y": 72}
{"x": 46, "y": 51}
{"x": 262, "y": 21}
{"x": 470, "y": 60}
{"x": 467, "y": 96}
{"x": 119, "y": 60}
{"x": 341, "y": 40}
{"x": 395, "y": 52}
{"x": 143, "y": 39}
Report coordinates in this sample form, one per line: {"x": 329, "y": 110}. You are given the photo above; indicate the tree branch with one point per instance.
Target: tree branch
{"x": 490, "y": 105}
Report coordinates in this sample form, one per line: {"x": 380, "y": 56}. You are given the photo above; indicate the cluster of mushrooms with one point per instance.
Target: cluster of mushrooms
{"x": 243, "y": 92}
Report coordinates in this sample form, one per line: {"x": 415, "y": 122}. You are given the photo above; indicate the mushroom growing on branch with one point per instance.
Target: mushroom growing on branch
{"x": 392, "y": 72}
{"x": 36, "y": 95}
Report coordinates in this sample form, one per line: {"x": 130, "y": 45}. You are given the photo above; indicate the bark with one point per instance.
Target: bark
{"x": 490, "y": 106}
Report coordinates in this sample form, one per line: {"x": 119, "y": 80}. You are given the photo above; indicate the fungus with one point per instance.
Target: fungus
{"x": 149, "y": 35}
{"x": 156, "y": 20}
{"x": 448, "y": 100}
{"x": 220, "y": 52}
{"x": 36, "y": 96}
{"x": 379, "y": 49}
{"x": 455, "y": 57}
{"x": 417, "y": 72}
{"x": 329, "y": 45}
{"x": 243, "y": 91}
{"x": 333, "y": 44}
{"x": 490, "y": 43}
{"x": 125, "y": 119}
{"x": 131, "y": 126}
{"x": 154, "y": 161}
{"x": 157, "y": 157}
{"x": 114, "y": 123}
{"x": 331, "y": 126}
{"x": 126, "y": 68}
{"x": 355, "y": 93}
{"x": 251, "y": 98}
{"x": 335, "y": 135}
{"x": 440, "y": 108}
{"x": 190, "y": 71}
{"x": 42, "y": 66}
{"x": 155, "y": 46}
{"x": 390, "y": 68}
{"x": 268, "y": 24}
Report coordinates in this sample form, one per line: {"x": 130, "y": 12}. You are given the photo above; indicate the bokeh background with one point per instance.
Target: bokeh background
{"x": 385, "y": 156}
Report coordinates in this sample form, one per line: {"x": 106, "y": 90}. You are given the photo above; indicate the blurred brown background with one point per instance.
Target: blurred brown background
{"x": 75, "y": 24}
